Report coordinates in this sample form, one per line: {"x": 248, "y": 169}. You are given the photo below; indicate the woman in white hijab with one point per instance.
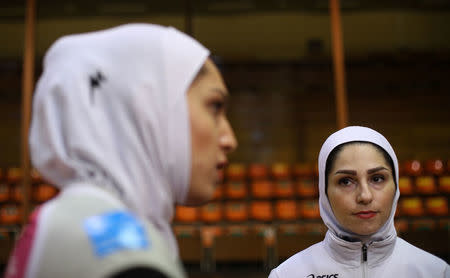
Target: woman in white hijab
{"x": 358, "y": 187}
{"x": 127, "y": 122}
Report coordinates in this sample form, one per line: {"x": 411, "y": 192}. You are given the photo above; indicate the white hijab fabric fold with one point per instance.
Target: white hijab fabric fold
{"x": 110, "y": 109}
{"x": 345, "y": 135}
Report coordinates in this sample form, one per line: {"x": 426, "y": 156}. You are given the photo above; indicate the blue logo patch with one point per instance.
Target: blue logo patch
{"x": 114, "y": 231}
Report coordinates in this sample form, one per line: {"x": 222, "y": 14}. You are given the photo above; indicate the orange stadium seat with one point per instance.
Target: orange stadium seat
{"x": 284, "y": 189}
{"x": 4, "y": 192}
{"x": 261, "y": 211}
{"x": 314, "y": 228}
{"x": 186, "y": 214}
{"x": 307, "y": 188}
{"x": 237, "y": 230}
{"x": 14, "y": 175}
{"x": 236, "y": 172}
{"x": 280, "y": 171}
{"x": 235, "y": 189}
{"x": 289, "y": 229}
{"x": 211, "y": 213}
{"x": 218, "y": 192}
{"x": 257, "y": 171}
{"x": 444, "y": 184}
{"x": 426, "y": 185}
{"x": 44, "y": 192}
{"x": 412, "y": 168}
{"x": 185, "y": 231}
{"x": 434, "y": 167}
{"x": 423, "y": 224}
{"x": 411, "y": 206}
{"x": 286, "y": 210}
{"x": 10, "y": 214}
{"x": 436, "y": 206}
{"x": 236, "y": 211}
{"x": 405, "y": 184}
{"x": 262, "y": 189}
{"x": 309, "y": 209}
{"x": 17, "y": 194}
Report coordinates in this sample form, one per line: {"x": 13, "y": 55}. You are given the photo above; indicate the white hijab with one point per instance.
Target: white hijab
{"x": 110, "y": 109}
{"x": 345, "y": 135}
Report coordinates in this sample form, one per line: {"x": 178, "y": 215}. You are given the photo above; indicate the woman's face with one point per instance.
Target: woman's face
{"x": 361, "y": 188}
{"x": 211, "y": 134}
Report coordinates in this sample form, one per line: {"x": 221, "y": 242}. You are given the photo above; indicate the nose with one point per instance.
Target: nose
{"x": 365, "y": 195}
{"x": 227, "y": 138}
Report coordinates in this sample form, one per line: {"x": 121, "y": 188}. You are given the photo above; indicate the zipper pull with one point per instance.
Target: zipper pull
{"x": 364, "y": 252}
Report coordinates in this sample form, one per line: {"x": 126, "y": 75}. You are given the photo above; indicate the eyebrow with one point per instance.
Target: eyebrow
{"x": 347, "y": 172}
{"x": 373, "y": 170}
{"x": 352, "y": 172}
{"x": 221, "y": 91}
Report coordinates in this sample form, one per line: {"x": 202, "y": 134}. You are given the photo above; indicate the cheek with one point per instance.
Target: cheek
{"x": 338, "y": 201}
{"x": 204, "y": 140}
{"x": 203, "y": 137}
{"x": 387, "y": 197}
{"x": 199, "y": 126}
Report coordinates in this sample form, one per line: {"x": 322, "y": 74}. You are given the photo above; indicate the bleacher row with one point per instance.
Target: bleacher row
{"x": 260, "y": 193}
{"x": 269, "y": 212}
{"x": 285, "y": 197}
{"x": 12, "y": 195}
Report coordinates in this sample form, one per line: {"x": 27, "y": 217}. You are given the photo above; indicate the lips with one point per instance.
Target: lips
{"x": 366, "y": 214}
{"x": 220, "y": 166}
{"x": 220, "y": 170}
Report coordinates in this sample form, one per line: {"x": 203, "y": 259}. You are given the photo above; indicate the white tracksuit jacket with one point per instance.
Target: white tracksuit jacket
{"x": 384, "y": 256}
{"x": 337, "y": 258}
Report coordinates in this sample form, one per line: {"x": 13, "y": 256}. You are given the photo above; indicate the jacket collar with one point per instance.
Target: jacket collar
{"x": 351, "y": 253}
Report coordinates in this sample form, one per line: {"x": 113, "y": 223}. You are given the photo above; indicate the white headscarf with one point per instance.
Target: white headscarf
{"x": 110, "y": 109}
{"x": 345, "y": 135}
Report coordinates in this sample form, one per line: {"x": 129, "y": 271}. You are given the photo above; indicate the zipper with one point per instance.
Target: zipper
{"x": 364, "y": 261}
{"x": 364, "y": 252}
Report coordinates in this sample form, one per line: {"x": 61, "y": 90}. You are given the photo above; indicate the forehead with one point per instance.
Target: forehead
{"x": 361, "y": 155}
{"x": 208, "y": 82}
{"x": 212, "y": 73}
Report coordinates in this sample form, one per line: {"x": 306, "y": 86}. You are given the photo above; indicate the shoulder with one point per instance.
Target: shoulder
{"x": 304, "y": 260}
{"x": 416, "y": 253}
{"x": 91, "y": 231}
{"x": 127, "y": 243}
{"x": 418, "y": 258}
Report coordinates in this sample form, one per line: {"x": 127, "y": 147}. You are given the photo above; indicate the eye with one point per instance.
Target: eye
{"x": 345, "y": 181}
{"x": 217, "y": 106}
{"x": 378, "y": 178}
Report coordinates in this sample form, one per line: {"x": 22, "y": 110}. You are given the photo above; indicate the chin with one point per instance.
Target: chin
{"x": 366, "y": 232}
